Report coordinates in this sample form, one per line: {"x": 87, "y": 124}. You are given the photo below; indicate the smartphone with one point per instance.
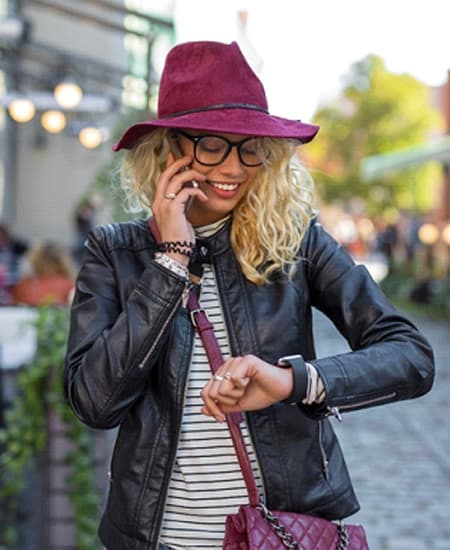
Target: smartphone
{"x": 177, "y": 151}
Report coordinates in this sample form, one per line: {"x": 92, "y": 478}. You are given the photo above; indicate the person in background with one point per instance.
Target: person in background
{"x": 51, "y": 278}
{"x": 84, "y": 221}
{"x": 11, "y": 253}
{"x": 246, "y": 239}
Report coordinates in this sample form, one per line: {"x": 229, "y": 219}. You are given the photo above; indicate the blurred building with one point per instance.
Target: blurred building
{"x": 109, "y": 49}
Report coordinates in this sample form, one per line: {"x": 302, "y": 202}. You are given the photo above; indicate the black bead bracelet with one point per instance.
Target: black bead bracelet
{"x": 180, "y": 247}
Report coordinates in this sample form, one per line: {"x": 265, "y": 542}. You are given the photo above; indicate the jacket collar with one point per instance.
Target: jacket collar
{"x": 208, "y": 247}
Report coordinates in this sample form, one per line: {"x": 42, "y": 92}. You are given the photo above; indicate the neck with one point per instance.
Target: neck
{"x": 204, "y": 218}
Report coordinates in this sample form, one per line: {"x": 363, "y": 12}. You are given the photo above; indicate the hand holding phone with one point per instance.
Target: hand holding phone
{"x": 177, "y": 151}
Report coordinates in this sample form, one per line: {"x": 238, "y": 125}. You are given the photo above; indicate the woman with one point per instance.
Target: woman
{"x": 51, "y": 280}
{"x": 134, "y": 360}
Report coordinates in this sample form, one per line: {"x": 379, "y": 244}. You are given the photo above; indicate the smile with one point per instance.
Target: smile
{"x": 224, "y": 186}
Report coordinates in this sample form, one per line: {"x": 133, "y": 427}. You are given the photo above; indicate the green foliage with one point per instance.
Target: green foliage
{"x": 377, "y": 112}
{"x": 23, "y": 440}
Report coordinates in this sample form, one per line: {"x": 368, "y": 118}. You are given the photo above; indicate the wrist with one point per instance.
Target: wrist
{"x": 179, "y": 258}
{"x": 172, "y": 264}
{"x": 299, "y": 377}
{"x": 180, "y": 251}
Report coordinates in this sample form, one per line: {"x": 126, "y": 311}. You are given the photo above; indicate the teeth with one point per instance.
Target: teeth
{"x": 225, "y": 186}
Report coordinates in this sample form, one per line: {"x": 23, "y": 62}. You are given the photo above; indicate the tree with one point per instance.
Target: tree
{"x": 376, "y": 112}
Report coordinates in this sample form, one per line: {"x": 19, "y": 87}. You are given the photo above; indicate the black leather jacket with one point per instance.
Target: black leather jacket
{"x": 129, "y": 353}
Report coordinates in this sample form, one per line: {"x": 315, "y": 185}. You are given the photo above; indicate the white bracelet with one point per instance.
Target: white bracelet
{"x": 173, "y": 265}
{"x": 316, "y": 391}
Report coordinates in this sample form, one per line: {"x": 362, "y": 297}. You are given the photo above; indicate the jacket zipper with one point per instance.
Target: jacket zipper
{"x": 326, "y": 471}
{"x": 335, "y": 410}
{"x": 177, "y": 440}
{"x": 181, "y": 300}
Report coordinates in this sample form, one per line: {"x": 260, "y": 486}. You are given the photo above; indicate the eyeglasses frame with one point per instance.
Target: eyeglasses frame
{"x": 238, "y": 144}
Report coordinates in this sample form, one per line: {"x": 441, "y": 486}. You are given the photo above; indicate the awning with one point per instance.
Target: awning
{"x": 379, "y": 165}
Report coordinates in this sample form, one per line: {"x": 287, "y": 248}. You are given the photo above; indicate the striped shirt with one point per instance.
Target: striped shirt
{"x": 206, "y": 483}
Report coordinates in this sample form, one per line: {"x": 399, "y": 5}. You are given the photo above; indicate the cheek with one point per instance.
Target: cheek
{"x": 205, "y": 170}
{"x": 252, "y": 174}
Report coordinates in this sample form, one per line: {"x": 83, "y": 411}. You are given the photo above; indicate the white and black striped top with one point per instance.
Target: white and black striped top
{"x": 206, "y": 483}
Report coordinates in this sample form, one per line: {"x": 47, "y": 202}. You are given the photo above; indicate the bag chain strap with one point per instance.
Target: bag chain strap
{"x": 282, "y": 533}
{"x": 344, "y": 537}
{"x": 286, "y": 537}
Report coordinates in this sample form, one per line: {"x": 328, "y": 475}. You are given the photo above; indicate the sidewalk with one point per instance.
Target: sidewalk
{"x": 399, "y": 455}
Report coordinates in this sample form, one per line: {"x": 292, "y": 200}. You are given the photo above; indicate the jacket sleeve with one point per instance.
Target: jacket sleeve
{"x": 115, "y": 340}
{"x": 390, "y": 359}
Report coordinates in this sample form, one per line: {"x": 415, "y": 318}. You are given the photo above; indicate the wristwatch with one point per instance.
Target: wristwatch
{"x": 299, "y": 376}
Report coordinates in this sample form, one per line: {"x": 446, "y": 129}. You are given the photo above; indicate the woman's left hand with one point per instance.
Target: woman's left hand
{"x": 245, "y": 384}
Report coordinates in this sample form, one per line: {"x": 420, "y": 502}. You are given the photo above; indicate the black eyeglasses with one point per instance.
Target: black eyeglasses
{"x": 211, "y": 150}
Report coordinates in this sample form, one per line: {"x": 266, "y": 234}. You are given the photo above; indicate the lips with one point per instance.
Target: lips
{"x": 224, "y": 190}
{"x": 224, "y": 186}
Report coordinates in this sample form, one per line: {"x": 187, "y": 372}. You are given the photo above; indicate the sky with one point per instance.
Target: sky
{"x": 302, "y": 48}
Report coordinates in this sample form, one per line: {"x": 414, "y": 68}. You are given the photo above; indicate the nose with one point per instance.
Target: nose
{"x": 232, "y": 163}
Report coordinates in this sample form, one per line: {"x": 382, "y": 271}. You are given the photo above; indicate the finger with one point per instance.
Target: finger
{"x": 227, "y": 392}
{"x": 186, "y": 194}
{"x": 171, "y": 170}
{"x": 240, "y": 382}
{"x": 222, "y": 390}
{"x": 174, "y": 164}
{"x": 237, "y": 407}
{"x": 211, "y": 405}
{"x": 176, "y": 182}
{"x": 205, "y": 411}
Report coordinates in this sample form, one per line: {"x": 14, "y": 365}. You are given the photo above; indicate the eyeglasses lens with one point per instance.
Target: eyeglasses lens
{"x": 212, "y": 150}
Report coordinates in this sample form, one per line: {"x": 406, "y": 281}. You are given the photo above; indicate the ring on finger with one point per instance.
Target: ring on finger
{"x": 218, "y": 378}
{"x": 170, "y": 196}
{"x": 227, "y": 376}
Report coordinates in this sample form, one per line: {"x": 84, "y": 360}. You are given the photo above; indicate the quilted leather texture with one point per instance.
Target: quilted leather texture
{"x": 249, "y": 530}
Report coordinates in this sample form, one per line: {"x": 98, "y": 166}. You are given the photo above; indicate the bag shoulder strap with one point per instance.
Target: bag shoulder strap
{"x": 207, "y": 335}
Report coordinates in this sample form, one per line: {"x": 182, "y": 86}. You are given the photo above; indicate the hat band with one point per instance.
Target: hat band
{"x": 220, "y": 106}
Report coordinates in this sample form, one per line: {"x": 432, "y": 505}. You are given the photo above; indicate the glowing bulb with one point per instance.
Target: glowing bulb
{"x": 446, "y": 234}
{"x": 22, "y": 110}
{"x": 53, "y": 121}
{"x": 68, "y": 94}
{"x": 90, "y": 137}
{"x": 428, "y": 233}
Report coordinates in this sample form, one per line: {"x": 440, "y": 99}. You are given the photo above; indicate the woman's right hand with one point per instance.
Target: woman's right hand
{"x": 171, "y": 197}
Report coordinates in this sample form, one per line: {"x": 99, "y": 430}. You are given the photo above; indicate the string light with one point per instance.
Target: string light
{"x": 428, "y": 233}
{"x": 53, "y": 121}
{"x": 90, "y": 137}
{"x": 22, "y": 110}
{"x": 68, "y": 94}
{"x": 446, "y": 234}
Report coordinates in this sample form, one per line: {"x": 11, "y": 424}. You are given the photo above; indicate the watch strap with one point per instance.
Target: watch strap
{"x": 299, "y": 376}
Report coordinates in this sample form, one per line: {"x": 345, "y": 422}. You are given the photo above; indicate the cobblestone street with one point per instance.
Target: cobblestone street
{"x": 399, "y": 455}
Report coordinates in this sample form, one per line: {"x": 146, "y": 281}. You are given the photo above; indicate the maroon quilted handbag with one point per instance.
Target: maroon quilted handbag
{"x": 256, "y": 528}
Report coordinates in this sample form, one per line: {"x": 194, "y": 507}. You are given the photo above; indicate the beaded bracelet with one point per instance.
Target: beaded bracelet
{"x": 173, "y": 265}
{"x": 180, "y": 247}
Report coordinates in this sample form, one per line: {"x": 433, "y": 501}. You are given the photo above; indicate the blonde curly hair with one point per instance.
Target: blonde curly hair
{"x": 268, "y": 225}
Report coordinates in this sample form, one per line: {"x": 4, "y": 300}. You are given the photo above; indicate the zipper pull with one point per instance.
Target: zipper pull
{"x": 335, "y": 412}
{"x": 185, "y": 295}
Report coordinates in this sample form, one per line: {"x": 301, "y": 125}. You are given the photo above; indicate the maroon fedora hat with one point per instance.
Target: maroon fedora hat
{"x": 210, "y": 86}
